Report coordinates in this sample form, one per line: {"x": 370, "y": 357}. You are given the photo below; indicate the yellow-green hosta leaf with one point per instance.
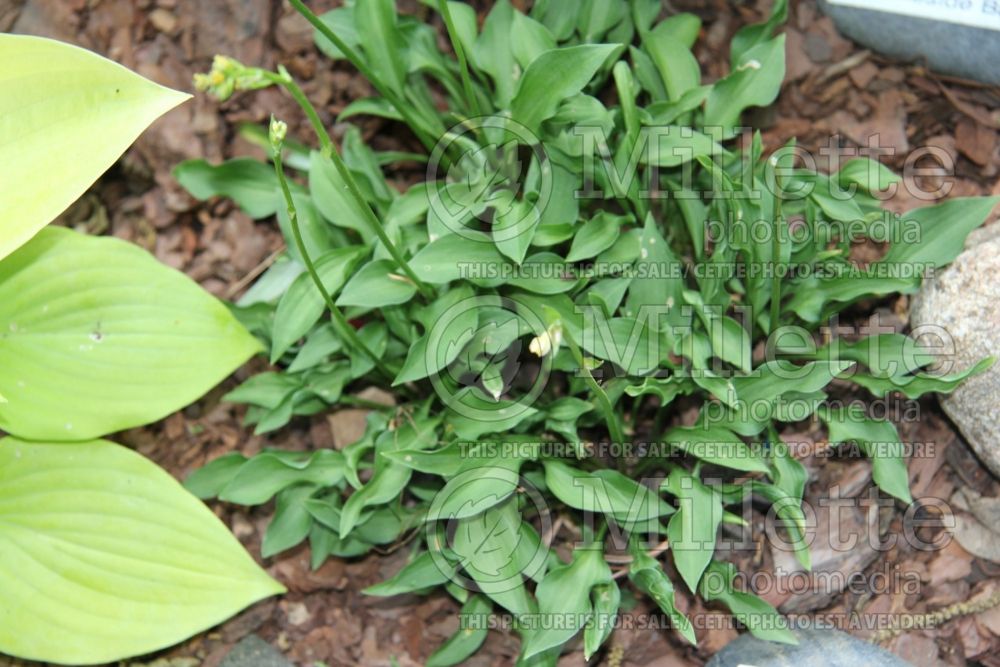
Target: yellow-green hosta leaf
{"x": 96, "y": 336}
{"x": 105, "y": 556}
{"x": 66, "y": 115}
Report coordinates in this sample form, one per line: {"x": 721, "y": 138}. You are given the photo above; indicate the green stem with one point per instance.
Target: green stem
{"x": 775, "y": 259}
{"x": 604, "y": 403}
{"x": 330, "y": 151}
{"x": 344, "y": 328}
{"x": 470, "y": 94}
{"x": 356, "y": 60}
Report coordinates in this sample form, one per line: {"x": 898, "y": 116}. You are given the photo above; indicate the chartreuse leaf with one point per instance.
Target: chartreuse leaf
{"x": 107, "y": 556}
{"x": 761, "y": 618}
{"x": 100, "y": 320}
{"x": 880, "y": 442}
{"x": 66, "y": 115}
{"x": 648, "y": 575}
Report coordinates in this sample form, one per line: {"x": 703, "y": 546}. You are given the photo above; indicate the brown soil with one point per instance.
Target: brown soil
{"x": 832, "y": 88}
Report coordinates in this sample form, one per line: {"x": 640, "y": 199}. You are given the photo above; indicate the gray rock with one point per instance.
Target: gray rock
{"x": 252, "y": 651}
{"x": 964, "y": 298}
{"x": 817, "y": 648}
{"x": 949, "y": 48}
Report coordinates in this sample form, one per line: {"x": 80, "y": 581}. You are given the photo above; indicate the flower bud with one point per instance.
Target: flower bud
{"x": 276, "y": 133}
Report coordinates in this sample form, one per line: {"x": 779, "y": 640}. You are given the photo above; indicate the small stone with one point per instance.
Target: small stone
{"x": 163, "y": 20}
{"x": 254, "y": 652}
{"x": 298, "y": 613}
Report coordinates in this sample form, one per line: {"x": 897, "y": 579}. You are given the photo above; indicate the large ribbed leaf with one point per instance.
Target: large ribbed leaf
{"x": 107, "y": 556}
{"x": 66, "y": 115}
{"x": 96, "y": 336}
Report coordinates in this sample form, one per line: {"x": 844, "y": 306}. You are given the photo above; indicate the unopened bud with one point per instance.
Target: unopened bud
{"x": 277, "y": 132}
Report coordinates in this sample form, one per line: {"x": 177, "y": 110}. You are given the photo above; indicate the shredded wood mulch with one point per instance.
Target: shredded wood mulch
{"x": 833, "y": 89}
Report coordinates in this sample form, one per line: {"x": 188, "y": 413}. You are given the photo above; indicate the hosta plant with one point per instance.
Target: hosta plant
{"x": 102, "y": 554}
{"x": 597, "y": 302}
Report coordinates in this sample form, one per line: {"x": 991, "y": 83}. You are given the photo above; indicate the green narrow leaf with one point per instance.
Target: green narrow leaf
{"x": 880, "y": 442}
{"x": 420, "y": 573}
{"x": 606, "y": 491}
{"x": 291, "y": 522}
{"x": 471, "y": 634}
{"x": 761, "y": 618}
{"x": 493, "y": 51}
{"x": 648, "y": 575}
{"x": 936, "y": 234}
{"x": 605, "y": 600}
{"x": 751, "y": 35}
{"x": 377, "y": 284}
{"x": 564, "y": 597}
{"x": 554, "y": 76}
{"x": 692, "y": 530}
{"x": 101, "y": 321}
{"x": 248, "y": 182}
{"x": 376, "y": 21}
{"x": 915, "y": 386}
{"x": 109, "y": 554}
{"x": 66, "y": 115}
{"x": 718, "y": 445}
{"x": 452, "y": 257}
{"x": 301, "y": 307}
{"x": 677, "y": 66}
{"x": 755, "y": 81}
{"x": 487, "y": 545}
{"x": 597, "y": 235}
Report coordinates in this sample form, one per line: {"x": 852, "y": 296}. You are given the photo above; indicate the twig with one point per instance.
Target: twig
{"x": 626, "y": 559}
{"x": 264, "y": 265}
{"x": 845, "y": 65}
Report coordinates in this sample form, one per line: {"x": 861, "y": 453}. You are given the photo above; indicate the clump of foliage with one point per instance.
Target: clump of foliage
{"x": 104, "y": 555}
{"x": 550, "y": 284}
